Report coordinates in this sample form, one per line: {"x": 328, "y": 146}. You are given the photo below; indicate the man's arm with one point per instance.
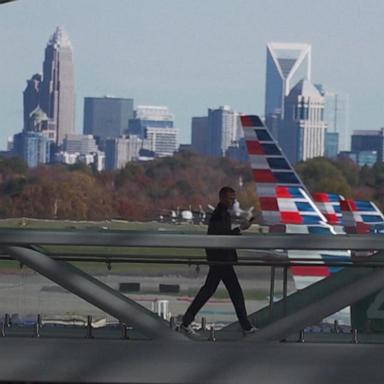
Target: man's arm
{"x": 220, "y": 226}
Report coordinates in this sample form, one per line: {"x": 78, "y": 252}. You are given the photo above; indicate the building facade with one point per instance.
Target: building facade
{"x": 107, "y": 116}
{"x": 200, "y": 135}
{"x": 120, "y": 150}
{"x": 302, "y": 131}
{"x": 331, "y": 144}
{"x": 369, "y": 140}
{"x": 33, "y": 147}
{"x": 156, "y": 125}
{"x": 31, "y": 97}
{"x": 162, "y": 141}
{"x": 57, "y": 93}
{"x": 336, "y": 115}
{"x": 212, "y": 135}
{"x": 150, "y": 116}
{"x": 82, "y": 144}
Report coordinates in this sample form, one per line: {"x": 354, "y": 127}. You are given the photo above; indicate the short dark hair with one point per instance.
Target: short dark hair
{"x": 223, "y": 191}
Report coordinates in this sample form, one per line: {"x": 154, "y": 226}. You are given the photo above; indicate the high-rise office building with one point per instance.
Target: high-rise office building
{"x": 336, "y": 115}
{"x": 331, "y": 144}
{"x": 223, "y": 128}
{"x": 81, "y": 144}
{"x": 302, "y": 131}
{"x": 162, "y": 141}
{"x": 120, "y": 150}
{"x": 38, "y": 121}
{"x": 57, "y": 91}
{"x": 107, "y": 116}
{"x": 150, "y": 116}
{"x": 156, "y": 124}
{"x": 369, "y": 140}
{"x": 33, "y": 147}
{"x": 116, "y": 153}
{"x": 200, "y": 135}
{"x": 287, "y": 64}
{"x": 31, "y": 97}
{"x": 212, "y": 135}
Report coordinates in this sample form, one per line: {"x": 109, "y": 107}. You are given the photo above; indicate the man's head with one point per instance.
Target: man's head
{"x": 227, "y": 196}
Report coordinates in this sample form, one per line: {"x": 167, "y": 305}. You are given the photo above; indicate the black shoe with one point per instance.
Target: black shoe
{"x": 249, "y": 331}
{"x": 188, "y": 330}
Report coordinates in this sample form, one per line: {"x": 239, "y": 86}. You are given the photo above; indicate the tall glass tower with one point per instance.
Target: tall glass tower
{"x": 336, "y": 114}
{"x": 287, "y": 64}
{"x": 57, "y": 95}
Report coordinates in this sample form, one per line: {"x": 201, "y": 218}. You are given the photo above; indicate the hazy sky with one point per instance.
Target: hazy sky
{"x": 192, "y": 55}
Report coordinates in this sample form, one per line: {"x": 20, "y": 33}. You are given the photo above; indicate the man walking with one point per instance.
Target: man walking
{"x": 220, "y": 224}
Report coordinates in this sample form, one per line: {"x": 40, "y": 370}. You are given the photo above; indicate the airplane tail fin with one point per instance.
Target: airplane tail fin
{"x": 285, "y": 203}
{"x": 282, "y": 195}
{"x": 361, "y": 216}
{"x": 329, "y": 205}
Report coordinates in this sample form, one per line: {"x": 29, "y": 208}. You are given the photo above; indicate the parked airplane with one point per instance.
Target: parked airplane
{"x": 184, "y": 216}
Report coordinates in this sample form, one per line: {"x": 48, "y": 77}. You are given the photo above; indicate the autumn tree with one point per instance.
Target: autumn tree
{"x": 321, "y": 175}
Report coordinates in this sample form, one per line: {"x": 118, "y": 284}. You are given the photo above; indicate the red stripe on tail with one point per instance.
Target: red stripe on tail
{"x": 311, "y": 271}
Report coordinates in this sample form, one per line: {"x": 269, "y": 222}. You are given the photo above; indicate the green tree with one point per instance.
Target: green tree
{"x": 321, "y": 175}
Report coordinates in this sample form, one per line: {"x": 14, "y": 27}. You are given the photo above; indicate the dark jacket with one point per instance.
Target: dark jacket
{"x": 220, "y": 224}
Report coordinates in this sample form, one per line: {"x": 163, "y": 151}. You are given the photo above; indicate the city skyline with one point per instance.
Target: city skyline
{"x": 222, "y": 62}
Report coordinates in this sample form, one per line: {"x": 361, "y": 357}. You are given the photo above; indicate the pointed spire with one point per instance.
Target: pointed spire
{"x": 60, "y": 38}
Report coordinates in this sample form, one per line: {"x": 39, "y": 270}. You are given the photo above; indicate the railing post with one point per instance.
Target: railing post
{"x": 124, "y": 331}
{"x": 301, "y": 337}
{"x": 212, "y": 336}
{"x": 271, "y": 290}
{"x": 89, "y": 327}
{"x": 203, "y": 324}
{"x": 38, "y": 325}
{"x": 285, "y": 285}
{"x": 355, "y": 338}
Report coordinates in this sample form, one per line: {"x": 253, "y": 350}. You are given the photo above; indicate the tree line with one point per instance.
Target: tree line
{"x": 146, "y": 190}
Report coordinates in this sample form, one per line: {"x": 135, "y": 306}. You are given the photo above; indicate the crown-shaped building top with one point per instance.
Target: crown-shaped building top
{"x": 287, "y": 64}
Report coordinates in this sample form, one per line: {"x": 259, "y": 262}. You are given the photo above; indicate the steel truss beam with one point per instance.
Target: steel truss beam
{"x": 96, "y": 293}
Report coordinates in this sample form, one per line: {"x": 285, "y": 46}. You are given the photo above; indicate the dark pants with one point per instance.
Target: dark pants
{"x": 216, "y": 273}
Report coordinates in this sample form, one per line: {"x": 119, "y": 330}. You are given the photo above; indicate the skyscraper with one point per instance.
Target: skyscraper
{"x": 31, "y": 97}
{"x": 33, "y": 147}
{"x": 156, "y": 124}
{"x": 120, "y": 150}
{"x": 57, "y": 94}
{"x": 82, "y": 144}
{"x": 212, "y": 135}
{"x": 369, "y": 140}
{"x": 200, "y": 135}
{"x": 302, "y": 131}
{"x": 336, "y": 115}
{"x": 150, "y": 116}
{"x": 107, "y": 116}
{"x": 287, "y": 64}
{"x": 223, "y": 130}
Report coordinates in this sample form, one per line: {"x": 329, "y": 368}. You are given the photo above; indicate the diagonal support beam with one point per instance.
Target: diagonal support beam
{"x": 313, "y": 313}
{"x": 96, "y": 293}
{"x": 300, "y": 299}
